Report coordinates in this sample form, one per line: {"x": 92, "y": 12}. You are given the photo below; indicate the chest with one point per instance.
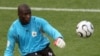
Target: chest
{"x": 29, "y": 31}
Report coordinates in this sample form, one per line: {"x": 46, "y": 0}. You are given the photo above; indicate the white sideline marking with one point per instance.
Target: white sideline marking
{"x": 53, "y": 9}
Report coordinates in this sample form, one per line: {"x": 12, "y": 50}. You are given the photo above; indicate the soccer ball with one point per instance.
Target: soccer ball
{"x": 85, "y": 28}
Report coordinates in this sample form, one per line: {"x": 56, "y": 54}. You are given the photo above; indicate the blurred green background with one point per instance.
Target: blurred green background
{"x": 64, "y": 21}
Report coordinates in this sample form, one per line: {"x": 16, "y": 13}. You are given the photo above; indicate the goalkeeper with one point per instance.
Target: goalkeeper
{"x": 27, "y": 31}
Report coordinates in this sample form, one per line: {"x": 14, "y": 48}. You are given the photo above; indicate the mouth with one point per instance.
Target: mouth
{"x": 24, "y": 22}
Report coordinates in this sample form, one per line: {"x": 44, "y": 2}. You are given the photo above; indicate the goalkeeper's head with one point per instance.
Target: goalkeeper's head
{"x": 24, "y": 13}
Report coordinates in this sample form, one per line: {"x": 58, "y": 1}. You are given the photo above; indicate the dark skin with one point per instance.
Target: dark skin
{"x": 24, "y": 13}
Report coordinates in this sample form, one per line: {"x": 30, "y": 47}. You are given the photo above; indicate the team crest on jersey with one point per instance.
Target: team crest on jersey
{"x": 34, "y": 34}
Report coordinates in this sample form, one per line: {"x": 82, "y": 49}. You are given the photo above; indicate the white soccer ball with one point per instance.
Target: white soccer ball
{"x": 85, "y": 28}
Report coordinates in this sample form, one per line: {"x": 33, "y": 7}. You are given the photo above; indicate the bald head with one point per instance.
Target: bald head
{"x": 24, "y": 7}
{"x": 24, "y": 13}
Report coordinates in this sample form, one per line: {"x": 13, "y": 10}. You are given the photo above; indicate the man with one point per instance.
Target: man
{"x": 28, "y": 32}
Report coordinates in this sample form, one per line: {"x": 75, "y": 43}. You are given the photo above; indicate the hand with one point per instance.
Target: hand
{"x": 59, "y": 42}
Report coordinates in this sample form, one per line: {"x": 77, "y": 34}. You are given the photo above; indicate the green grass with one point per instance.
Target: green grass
{"x": 65, "y": 22}
{"x": 54, "y": 3}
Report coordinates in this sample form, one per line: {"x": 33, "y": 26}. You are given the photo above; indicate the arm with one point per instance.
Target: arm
{"x": 10, "y": 43}
{"x": 54, "y": 33}
{"x": 50, "y": 30}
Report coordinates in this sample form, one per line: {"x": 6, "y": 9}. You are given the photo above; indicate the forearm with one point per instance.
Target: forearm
{"x": 9, "y": 48}
{"x": 8, "y": 53}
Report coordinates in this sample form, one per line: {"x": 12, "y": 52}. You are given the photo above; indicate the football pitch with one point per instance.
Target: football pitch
{"x": 63, "y": 20}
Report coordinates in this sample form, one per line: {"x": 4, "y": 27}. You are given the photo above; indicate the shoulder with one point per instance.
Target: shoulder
{"x": 39, "y": 19}
{"x": 14, "y": 24}
{"x": 12, "y": 28}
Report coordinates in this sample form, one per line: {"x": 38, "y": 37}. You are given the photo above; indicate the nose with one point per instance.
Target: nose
{"x": 27, "y": 17}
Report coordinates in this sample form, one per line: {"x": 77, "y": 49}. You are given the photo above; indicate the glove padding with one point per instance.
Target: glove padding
{"x": 59, "y": 42}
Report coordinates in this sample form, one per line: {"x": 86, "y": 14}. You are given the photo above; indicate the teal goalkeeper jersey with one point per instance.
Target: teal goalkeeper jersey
{"x": 29, "y": 37}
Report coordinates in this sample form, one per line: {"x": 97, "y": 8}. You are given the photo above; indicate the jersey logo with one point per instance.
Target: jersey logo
{"x": 34, "y": 34}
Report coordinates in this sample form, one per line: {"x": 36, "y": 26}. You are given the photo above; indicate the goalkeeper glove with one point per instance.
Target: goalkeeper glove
{"x": 59, "y": 42}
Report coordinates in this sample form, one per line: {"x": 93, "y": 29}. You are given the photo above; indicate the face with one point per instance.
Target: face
{"x": 24, "y": 15}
